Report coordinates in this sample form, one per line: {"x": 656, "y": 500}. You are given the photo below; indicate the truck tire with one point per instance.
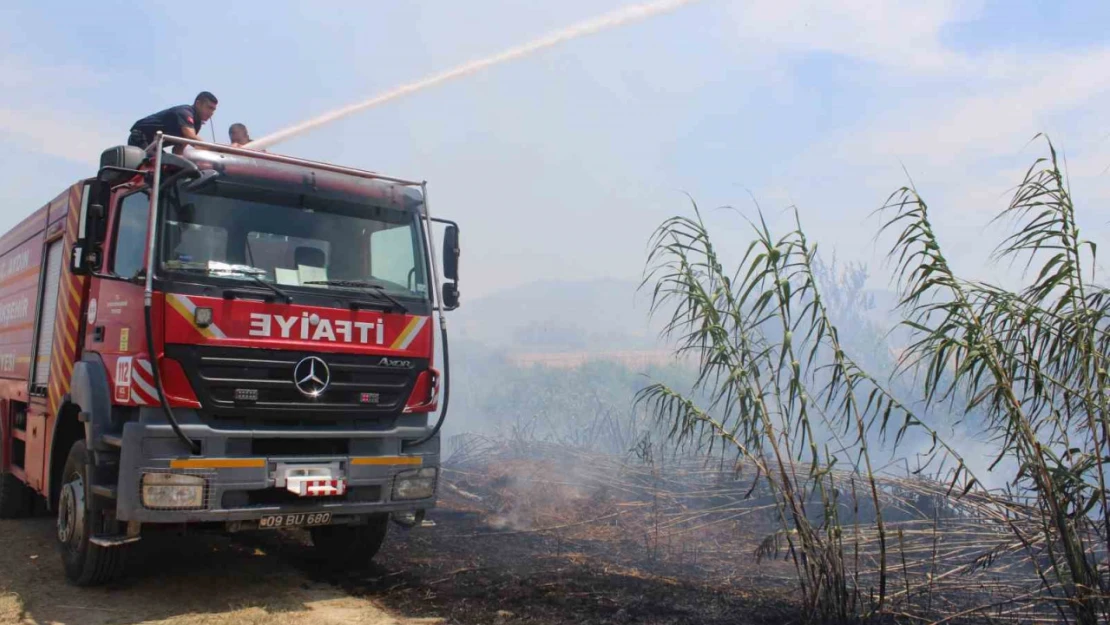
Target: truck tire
{"x": 350, "y": 545}
{"x": 85, "y": 564}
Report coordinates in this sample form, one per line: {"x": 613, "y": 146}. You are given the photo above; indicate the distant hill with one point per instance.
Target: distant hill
{"x": 559, "y": 323}
{"x": 544, "y": 317}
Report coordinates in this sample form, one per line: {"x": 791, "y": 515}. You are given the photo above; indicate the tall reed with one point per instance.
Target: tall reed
{"x": 786, "y": 395}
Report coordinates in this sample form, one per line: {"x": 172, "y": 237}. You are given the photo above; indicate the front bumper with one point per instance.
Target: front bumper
{"x": 242, "y": 487}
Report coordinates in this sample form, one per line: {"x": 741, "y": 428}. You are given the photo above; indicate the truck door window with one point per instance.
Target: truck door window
{"x": 130, "y": 244}
{"x": 391, "y": 257}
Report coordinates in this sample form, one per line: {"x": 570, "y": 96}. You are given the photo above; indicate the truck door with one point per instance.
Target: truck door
{"x": 48, "y": 312}
{"x": 37, "y": 416}
{"x": 116, "y": 324}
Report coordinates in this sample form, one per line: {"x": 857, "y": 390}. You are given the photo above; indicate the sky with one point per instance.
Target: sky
{"x": 559, "y": 166}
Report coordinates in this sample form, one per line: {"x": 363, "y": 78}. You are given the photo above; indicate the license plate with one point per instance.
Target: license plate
{"x": 278, "y": 521}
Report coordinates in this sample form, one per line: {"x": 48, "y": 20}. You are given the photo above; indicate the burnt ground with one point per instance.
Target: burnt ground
{"x": 468, "y": 573}
{"x": 462, "y": 571}
{"x": 532, "y": 541}
{"x": 513, "y": 543}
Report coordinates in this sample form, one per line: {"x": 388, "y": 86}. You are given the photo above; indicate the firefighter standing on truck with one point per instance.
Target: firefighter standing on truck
{"x": 178, "y": 121}
{"x": 239, "y": 136}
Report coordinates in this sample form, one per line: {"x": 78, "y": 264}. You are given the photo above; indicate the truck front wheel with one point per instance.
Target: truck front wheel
{"x": 350, "y": 545}
{"x": 85, "y": 563}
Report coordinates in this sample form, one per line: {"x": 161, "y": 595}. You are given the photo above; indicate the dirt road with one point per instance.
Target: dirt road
{"x": 180, "y": 580}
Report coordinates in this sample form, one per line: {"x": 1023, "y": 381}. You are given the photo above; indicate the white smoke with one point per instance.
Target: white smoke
{"x": 609, "y": 20}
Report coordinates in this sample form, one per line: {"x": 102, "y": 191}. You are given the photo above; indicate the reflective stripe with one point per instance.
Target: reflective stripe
{"x": 409, "y": 333}
{"x": 218, "y": 463}
{"x": 136, "y": 398}
{"x": 138, "y": 380}
{"x": 187, "y": 309}
{"x": 387, "y": 460}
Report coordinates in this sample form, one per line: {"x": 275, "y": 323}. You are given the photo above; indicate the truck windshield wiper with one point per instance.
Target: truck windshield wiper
{"x": 378, "y": 289}
{"x": 282, "y": 294}
{"x": 234, "y": 270}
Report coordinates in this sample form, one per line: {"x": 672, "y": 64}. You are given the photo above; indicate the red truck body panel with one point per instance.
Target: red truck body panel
{"x": 20, "y": 260}
{"x": 23, "y": 251}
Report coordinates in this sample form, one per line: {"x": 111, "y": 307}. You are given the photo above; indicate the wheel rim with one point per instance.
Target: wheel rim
{"x": 71, "y": 512}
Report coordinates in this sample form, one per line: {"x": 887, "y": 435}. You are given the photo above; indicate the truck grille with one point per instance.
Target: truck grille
{"x": 358, "y": 387}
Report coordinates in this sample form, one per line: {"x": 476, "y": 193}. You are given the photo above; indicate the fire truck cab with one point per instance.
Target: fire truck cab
{"x": 228, "y": 338}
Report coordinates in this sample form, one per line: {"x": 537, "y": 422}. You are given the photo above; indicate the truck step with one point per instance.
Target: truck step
{"x": 112, "y": 440}
{"x": 108, "y": 492}
{"x": 106, "y": 461}
{"x": 113, "y": 540}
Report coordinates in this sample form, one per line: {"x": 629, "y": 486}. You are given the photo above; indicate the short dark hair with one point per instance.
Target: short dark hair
{"x": 206, "y": 96}
{"x": 236, "y": 126}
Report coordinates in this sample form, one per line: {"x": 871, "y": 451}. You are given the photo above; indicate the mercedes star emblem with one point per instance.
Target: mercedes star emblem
{"x": 311, "y": 375}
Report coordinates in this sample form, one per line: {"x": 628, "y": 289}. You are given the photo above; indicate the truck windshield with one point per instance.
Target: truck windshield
{"x": 292, "y": 240}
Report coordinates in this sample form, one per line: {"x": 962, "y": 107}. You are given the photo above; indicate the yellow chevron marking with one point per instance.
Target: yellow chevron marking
{"x": 404, "y": 335}
{"x": 177, "y": 304}
{"x": 72, "y": 316}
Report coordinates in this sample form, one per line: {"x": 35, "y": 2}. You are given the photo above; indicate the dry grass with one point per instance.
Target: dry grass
{"x": 696, "y": 519}
{"x": 11, "y": 608}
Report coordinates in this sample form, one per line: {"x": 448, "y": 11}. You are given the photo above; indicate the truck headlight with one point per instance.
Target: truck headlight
{"x": 172, "y": 491}
{"x": 418, "y": 484}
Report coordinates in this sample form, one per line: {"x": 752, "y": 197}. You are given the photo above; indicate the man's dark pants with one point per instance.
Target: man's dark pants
{"x": 137, "y": 139}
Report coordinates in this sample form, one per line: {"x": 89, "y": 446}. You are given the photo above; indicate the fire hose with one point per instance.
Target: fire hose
{"x": 446, "y": 389}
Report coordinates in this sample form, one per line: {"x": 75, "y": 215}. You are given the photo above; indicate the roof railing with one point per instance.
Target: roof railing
{"x": 278, "y": 158}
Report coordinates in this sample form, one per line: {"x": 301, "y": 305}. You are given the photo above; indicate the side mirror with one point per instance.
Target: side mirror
{"x": 451, "y": 253}
{"x": 450, "y": 295}
{"x": 120, "y": 163}
{"x": 96, "y": 224}
{"x": 83, "y": 259}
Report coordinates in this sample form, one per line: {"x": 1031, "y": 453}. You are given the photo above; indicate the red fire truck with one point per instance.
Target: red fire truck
{"x": 227, "y": 338}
